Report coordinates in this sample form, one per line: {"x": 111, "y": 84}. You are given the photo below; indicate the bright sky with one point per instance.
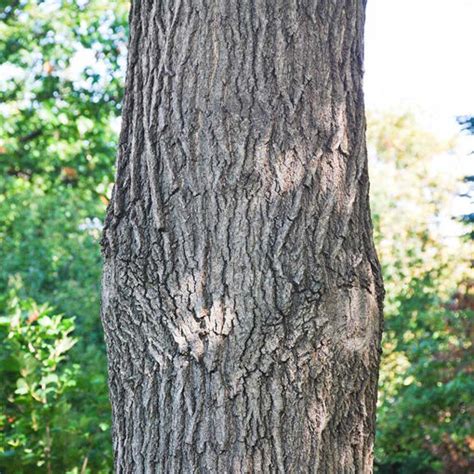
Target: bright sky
{"x": 420, "y": 54}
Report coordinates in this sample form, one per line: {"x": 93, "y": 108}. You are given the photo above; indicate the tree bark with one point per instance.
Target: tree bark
{"x": 241, "y": 290}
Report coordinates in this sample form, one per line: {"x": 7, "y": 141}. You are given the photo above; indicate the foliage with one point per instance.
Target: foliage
{"x": 34, "y": 382}
{"x": 468, "y": 219}
{"x": 56, "y": 117}
{"x": 40, "y": 426}
{"x": 424, "y": 415}
{"x": 60, "y": 93}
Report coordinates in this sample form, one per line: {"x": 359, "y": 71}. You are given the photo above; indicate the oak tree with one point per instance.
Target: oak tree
{"x": 241, "y": 289}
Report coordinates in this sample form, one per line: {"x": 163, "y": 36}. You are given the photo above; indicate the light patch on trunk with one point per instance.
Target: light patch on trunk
{"x": 283, "y": 173}
{"x": 361, "y": 311}
{"x": 219, "y": 323}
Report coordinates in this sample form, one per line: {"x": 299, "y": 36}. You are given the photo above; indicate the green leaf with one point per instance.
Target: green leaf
{"x": 22, "y": 387}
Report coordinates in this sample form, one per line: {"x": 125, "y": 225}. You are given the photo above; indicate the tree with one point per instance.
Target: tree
{"x": 424, "y": 417}
{"x": 468, "y": 219}
{"x": 241, "y": 290}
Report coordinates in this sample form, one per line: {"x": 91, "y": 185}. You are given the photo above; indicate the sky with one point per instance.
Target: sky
{"x": 419, "y": 54}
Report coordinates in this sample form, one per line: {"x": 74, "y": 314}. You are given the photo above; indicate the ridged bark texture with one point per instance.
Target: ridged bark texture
{"x": 241, "y": 290}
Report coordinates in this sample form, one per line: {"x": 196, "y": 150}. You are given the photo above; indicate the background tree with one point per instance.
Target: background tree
{"x": 56, "y": 158}
{"x": 468, "y": 219}
{"x": 425, "y": 412}
{"x": 241, "y": 290}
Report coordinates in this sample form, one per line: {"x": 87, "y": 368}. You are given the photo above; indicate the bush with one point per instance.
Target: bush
{"x": 41, "y": 429}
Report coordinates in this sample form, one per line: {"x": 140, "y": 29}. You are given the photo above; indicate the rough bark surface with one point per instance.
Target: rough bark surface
{"x": 241, "y": 289}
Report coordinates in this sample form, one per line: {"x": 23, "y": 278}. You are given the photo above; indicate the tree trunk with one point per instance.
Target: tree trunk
{"x": 241, "y": 290}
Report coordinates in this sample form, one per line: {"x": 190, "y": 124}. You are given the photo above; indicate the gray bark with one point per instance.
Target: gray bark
{"x": 241, "y": 290}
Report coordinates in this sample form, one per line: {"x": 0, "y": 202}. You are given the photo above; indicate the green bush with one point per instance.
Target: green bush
{"x": 41, "y": 429}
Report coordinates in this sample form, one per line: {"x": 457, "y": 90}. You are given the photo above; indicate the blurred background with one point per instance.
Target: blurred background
{"x": 61, "y": 82}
